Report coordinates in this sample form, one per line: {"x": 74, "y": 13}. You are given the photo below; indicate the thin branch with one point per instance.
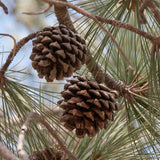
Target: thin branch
{"x": 32, "y": 116}
{"x": 119, "y": 157}
{"x": 101, "y": 76}
{"x": 155, "y": 11}
{"x": 40, "y": 12}
{"x": 126, "y": 26}
{"x": 4, "y": 7}
{"x": 6, "y": 153}
{"x": 153, "y": 8}
{"x": 14, "y": 48}
{"x": 62, "y": 15}
{"x": 141, "y": 11}
{"x": 13, "y": 53}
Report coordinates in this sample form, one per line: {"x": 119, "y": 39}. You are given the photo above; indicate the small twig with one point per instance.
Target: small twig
{"x": 126, "y": 26}
{"x": 153, "y": 8}
{"x": 32, "y": 116}
{"x": 13, "y": 53}
{"x": 113, "y": 151}
{"x": 14, "y": 48}
{"x": 4, "y": 7}
{"x": 40, "y": 12}
{"x": 6, "y": 153}
{"x": 141, "y": 11}
{"x": 155, "y": 11}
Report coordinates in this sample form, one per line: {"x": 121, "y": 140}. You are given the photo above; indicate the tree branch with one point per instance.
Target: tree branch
{"x": 32, "y": 116}
{"x": 40, "y": 12}
{"x": 14, "y": 48}
{"x": 126, "y": 26}
{"x": 14, "y": 51}
{"x": 6, "y": 153}
{"x": 153, "y": 8}
{"x": 4, "y": 7}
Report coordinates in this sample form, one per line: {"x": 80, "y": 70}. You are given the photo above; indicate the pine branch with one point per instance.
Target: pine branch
{"x": 14, "y": 51}
{"x": 32, "y": 116}
{"x": 153, "y": 8}
{"x": 4, "y": 7}
{"x": 40, "y": 12}
{"x": 126, "y": 26}
{"x": 6, "y": 153}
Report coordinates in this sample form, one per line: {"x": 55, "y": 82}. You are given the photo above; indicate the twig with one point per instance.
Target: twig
{"x": 87, "y": 14}
{"x": 40, "y": 12}
{"x": 14, "y": 48}
{"x": 6, "y": 153}
{"x": 4, "y": 7}
{"x": 126, "y": 26}
{"x": 119, "y": 157}
{"x": 153, "y": 8}
{"x": 102, "y": 19}
{"x": 141, "y": 10}
{"x": 32, "y": 116}
{"x": 13, "y": 53}
{"x": 155, "y": 11}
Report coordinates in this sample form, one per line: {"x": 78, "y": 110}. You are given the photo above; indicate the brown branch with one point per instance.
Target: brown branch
{"x": 141, "y": 11}
{"x": 4, "y": 7}
{"x": 85, "y": 13}
{"x": 63, "y": 16}
{"x": 6, "y": 154}
{"x": 126, "y": 26}
{"x": 37, "y": 13}
{"x": 155, "y": 11}
{"x": 153, "y": 8}
{"x": 32, "y": 116}
{"x": 14, "y": 48}
{"x": 13, "y": 53}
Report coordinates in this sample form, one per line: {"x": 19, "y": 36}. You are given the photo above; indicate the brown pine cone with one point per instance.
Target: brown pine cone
{"x": 47, "y": 154}
{"x": 57, "y": 52}
{"x": 88, "y": 106}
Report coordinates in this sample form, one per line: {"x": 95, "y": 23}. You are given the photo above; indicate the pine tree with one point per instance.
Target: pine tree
{"x": 109, "y": 107}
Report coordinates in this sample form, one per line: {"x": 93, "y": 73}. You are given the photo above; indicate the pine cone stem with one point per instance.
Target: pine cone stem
{"x": 63, "y": 16}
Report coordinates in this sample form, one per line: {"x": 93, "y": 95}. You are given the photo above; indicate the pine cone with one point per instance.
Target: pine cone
{"x": 57, "y": 52}
{"x": 47, "y": 154}
{"x": 88, "y": 106}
